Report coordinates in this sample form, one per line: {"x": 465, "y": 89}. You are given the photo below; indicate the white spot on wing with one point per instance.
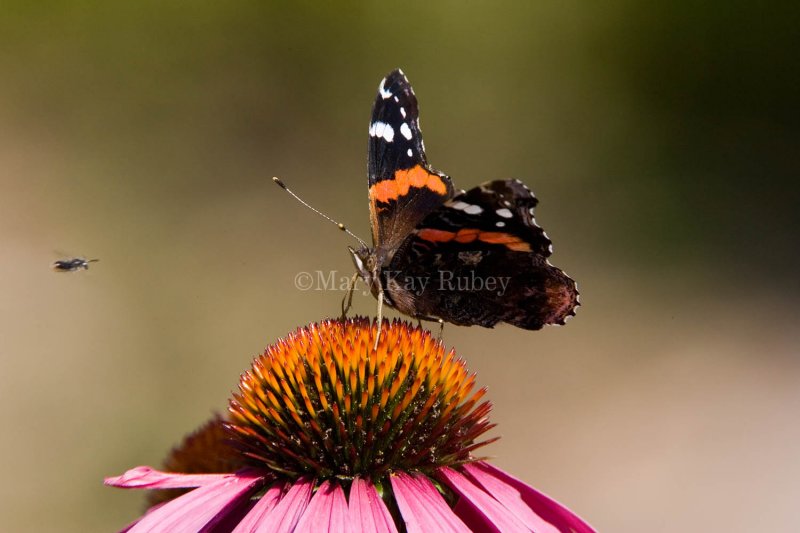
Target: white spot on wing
{"x": 382, "y": 89}
{"x": 473, "y": 210}
{"x": 500, "y": 224}
{"x": 406, "y": 131}
{"x": 381, "y": 129}
{"x": 459, "y": 205}
{"x": 388, "y": 133}
{"x": 409, "y": 152}
{"x": 505, "y": 213}
{"x": 530, "y": 210}
{"x": 403, "y": 111}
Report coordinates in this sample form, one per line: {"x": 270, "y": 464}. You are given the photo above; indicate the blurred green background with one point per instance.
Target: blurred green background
{"x": 661, "y": 138}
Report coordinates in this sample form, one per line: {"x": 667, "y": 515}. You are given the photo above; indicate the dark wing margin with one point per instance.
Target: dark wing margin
{"x": 403, "y": 188}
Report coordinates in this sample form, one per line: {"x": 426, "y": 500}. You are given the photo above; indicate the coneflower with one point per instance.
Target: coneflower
{"x": 328, "y": 434}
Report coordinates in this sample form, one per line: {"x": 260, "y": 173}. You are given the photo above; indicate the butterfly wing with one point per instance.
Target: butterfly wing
{"x": 403, "y": 188}
{"x": 481, "y": 259}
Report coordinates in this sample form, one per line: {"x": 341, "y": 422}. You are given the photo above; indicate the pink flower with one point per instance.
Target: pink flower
{"x": 327, "y": 434}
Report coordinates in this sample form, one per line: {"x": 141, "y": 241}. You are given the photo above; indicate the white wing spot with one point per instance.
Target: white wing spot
{"x": 473, "y": 210}
{"x": 396, "y": 99}
{"x": 406, "y": 131}
{"x": 409, "y": 152}
{"x": 403, "y": 111}
{"x": 459, "y": 205}
{"x": 382, "y": 89}
{"x": 505, "y": 213}
{"x": 388, "y": 133}
{"x": 382, "y": 129}
{"x": 500, "y": 224}
{"x": 530, "y": 210}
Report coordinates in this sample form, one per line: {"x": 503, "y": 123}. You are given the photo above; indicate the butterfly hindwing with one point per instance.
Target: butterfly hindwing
{"x": 403, "y": 188}
{"x": 495, "y": 212}
{"x": 481, "y": 259}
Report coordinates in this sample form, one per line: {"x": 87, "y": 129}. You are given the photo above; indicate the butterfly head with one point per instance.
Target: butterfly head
{"x": 364, "y": 260}
{"x": 368, "y": 265}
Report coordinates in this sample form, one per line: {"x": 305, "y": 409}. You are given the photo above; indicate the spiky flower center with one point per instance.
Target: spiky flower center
{"x": 324, "y": 402}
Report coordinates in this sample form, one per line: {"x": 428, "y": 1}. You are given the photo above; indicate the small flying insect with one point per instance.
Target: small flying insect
{"x": 73, "y": 265}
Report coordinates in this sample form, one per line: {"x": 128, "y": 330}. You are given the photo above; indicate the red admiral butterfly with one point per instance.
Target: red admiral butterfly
{"x": 471, "y": 257}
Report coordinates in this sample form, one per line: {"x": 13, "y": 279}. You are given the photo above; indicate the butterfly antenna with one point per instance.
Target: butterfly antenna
{"x": 317, "y": 211}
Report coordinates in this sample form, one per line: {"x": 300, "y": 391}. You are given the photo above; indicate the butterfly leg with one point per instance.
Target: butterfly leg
{"x": 440, "y": 321}
{"x": 380, "y": 318}
{"x": 348, "y": 298}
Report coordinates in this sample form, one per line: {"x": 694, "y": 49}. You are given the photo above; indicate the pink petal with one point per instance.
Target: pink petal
{"x": 542, "y": 505}
{"x": 510, "y": 498}
{"x": 367, "y": 510}
{"x": 200, "y": 508}
{"x": 144, "y": 477}
{"x": 326, "y": 512}
{"x": 284, "y": 516}
{"x": 422, "y": 507}
{"x": 494, "y": 515}
{"x": 261, "y": 509}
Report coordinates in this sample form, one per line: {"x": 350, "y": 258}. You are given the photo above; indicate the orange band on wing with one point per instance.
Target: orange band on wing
{"x": 466, "y": 235}
{"x": 510, "y": 241}
{"x": 435, "y": 235}
{"x": 520, "y": 246}
{"x": 391, "y": 189}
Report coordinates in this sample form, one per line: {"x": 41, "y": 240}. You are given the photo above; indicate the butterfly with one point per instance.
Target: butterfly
{"x": 473, "y": 257}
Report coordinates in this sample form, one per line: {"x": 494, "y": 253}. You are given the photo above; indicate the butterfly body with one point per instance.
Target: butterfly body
{"x": 473, "y": 257}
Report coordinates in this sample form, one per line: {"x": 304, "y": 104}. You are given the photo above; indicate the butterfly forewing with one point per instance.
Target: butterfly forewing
{"x": 403, "y": 188}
